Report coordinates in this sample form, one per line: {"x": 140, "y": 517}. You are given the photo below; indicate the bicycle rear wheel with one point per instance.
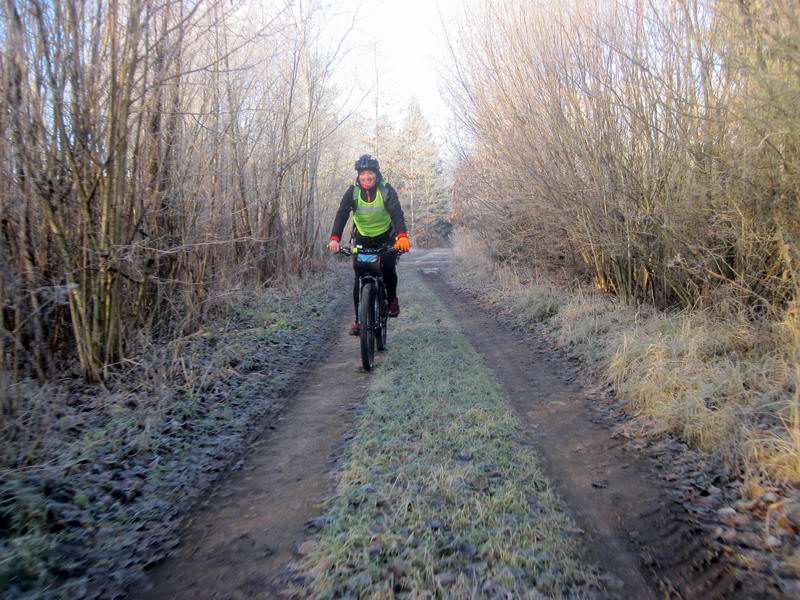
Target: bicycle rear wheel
{"x": 367, "y": 319}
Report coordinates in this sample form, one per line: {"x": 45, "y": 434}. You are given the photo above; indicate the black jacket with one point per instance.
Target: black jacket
{"x": 346, "y": 206}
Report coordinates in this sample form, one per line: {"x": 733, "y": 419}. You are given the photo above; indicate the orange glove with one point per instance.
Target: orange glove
{"x": 402, "y": 243}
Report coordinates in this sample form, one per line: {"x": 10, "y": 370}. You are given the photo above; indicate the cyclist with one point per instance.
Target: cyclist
{"x": 377, "y": 221}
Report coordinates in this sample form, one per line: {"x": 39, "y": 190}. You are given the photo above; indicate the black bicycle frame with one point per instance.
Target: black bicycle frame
{"x": 370, "y": 272}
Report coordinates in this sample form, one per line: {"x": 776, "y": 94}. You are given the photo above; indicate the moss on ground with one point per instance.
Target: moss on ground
{"x": 441, "y": 495}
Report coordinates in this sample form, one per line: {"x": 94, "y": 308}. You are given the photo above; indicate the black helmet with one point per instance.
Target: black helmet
{"x": 365, "y": 162}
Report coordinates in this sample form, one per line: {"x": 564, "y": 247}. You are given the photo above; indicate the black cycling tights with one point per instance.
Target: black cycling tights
{"x": 389, "y": 272}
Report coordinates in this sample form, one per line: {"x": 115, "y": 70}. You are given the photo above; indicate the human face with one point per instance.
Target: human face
{"x": 366, "y": 179}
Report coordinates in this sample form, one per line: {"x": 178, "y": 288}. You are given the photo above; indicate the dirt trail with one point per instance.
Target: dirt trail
{"x": 648, "y": 544}
{"x": 240, "y": 541}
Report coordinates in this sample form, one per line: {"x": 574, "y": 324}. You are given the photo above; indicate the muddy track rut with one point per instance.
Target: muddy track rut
{"x": 634, "y": 529}
{"x": 244, "y": 535}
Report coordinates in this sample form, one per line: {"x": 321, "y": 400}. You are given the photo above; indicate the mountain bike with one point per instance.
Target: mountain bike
{"x": 373, "y": 305}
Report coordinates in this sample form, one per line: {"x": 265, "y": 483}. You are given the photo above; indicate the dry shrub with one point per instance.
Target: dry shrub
{"x": 476, "y": 266}
{"x": 592, "y": 325}
{"x": 723, "y": 386}
{"x": 154, "y": 154}
{"x": 779, "y": 449}
{"x": 530, "y": 297}
{"x": 652, "y": 145}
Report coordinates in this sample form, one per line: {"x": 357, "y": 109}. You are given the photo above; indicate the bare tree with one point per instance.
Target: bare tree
{"x": 649, "y": 145}
{"x": 155, "y": 154}
{"x": 420, "y": 179}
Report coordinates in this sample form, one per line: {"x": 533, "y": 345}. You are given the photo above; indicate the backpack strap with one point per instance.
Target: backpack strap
{"x": 382, "y": 188}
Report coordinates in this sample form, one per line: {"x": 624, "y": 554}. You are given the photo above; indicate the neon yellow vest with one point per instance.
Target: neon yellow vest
{"x": 371, "y": 218}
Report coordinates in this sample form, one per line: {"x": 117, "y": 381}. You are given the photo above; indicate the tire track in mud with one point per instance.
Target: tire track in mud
{"x": 238, "y": 544}
{"x": 634, "y": 529}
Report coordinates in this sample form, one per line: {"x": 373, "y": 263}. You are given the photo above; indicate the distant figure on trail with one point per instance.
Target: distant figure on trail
{"x": 378, "y": 221}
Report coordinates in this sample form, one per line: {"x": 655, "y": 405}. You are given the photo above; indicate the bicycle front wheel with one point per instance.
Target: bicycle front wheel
{"x": 381, "y": 320}
{"x": 367, "y": 320}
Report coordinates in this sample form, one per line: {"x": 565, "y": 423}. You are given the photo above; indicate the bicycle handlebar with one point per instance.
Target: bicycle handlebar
{"x": 348, "y": 251}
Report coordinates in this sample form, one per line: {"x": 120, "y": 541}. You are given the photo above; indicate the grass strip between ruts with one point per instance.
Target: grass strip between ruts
{"x": 440, "y": 494}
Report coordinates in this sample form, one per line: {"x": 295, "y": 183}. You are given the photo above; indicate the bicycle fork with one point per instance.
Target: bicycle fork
{"x": 380, "y": 289}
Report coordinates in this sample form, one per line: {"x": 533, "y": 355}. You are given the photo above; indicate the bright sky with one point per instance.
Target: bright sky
{"x": 404, "y": 39}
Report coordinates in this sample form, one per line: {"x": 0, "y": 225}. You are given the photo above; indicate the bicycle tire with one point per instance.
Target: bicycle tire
{"x": 381, "y": 309}
{"x": 366, "y": 318}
